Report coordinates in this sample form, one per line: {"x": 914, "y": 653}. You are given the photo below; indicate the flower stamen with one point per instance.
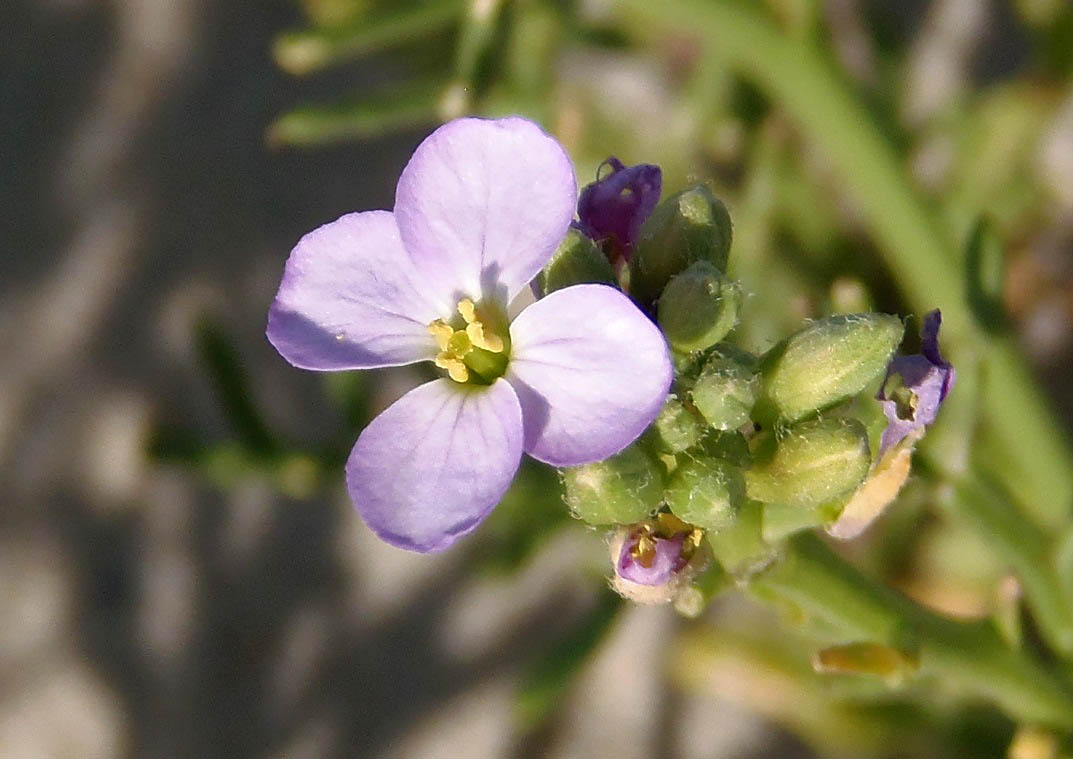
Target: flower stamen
{"x": 467, "y": 349}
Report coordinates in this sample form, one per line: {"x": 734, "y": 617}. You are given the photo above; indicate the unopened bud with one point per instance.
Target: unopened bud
{"x": 676, "y": 428}
{"x": 731, "y": 447}
{"x": 827, "y": 362}
{"x": 691, "y": 226}
{"x": 809, "y": 464}
{"x": 577, "y": 261}
{"x": 726, "y": 389}
{"x": 622, "y": 489}
{"x": 699, "y": 307}
{"x": 706, "y": 492}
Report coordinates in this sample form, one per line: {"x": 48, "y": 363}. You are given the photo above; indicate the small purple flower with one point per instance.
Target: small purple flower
{"x": 613, "y": 208}
{"x": 576, "y": 377}
{"x": 656, "y": 559}
{"x": 915, "y": 387}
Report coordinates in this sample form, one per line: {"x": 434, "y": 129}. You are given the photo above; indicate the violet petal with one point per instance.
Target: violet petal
{"x": 591, "y": 372}
{"x": 482, "y": 205}
{"x": 615, "y": 206}
{"x": 665, "y": 563}
{"x": 923, "y": 378}
{"x": 436, "y": 462}
{"x": 350, "y": 300}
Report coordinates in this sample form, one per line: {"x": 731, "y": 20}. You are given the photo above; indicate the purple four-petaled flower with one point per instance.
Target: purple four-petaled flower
{"x": 577, "y": 376}
{"x": 915, "y": 386}
{"x": 612, "y": 209}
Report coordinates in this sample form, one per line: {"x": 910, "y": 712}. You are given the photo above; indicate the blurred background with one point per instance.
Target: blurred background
{"x": 181, "y": 573}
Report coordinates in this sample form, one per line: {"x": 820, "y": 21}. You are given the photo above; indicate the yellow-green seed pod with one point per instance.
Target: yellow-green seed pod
{"x": 623, "y": 489}
{"x": 726, "y": 389}
{"x": 577, "y": 261}
{"x": 693, "y": 225}
{"x": 676, "y": 428}
{"x": 705, "y": 492}
{"x": 809, "y": 464}
{"x": 698, "y": 307}
{"x": 827, "y": 362}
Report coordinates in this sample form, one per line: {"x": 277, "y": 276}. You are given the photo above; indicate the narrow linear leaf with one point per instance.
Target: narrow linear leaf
{"x": 413, "y": 106}
{"x": 303, "y": 52}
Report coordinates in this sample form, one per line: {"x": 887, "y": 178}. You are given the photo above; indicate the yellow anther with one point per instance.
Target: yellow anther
{"x": 645, "y": 550}
{"x": 457, "y": 346}
{"x": 442, "y": 331}
{"x": 456, "y": 370}
{"x": 491, "y": 343}
{"x": 468, "y": 310}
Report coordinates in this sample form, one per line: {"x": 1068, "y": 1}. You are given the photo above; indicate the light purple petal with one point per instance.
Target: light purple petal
{"x": 351, "y": 300}
{"x": 483, "y": 204}
{"x": 665, "y": 563}
{"x": 927, "y": 376}
{"x": 436, "y": 462}
{"x": 591, "y": 373}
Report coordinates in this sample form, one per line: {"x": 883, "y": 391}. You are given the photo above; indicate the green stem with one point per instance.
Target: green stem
{"x": 970, "y": 656}
{"x": 794, "y": 73}
{"x": 1027, "y": 550}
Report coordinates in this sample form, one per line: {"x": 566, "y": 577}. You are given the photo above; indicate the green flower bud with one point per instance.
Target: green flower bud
{"x": 622, "y": 489}
{"x": 726, "y": 389}
{"x": 698, "y": 307}
{"x": 809, "y": 464}
{"x": 827, "y": 362}
{"x": 676, "y": 428}
{"x": 731, "y": 447}
{"x": 577, "y": 261}
{"x": 691, "y": 226}
{"x": 706, "y": 492}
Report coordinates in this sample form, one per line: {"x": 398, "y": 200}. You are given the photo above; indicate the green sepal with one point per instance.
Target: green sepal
{"x": 576, "y": 261}
{"x": 676, "y": 428}
{"x": 725, "y": 389}
{"x": 808, "y": 464}
{"x": 705, "y": 492}
{"x": 825, "y": 363}
{"x": 622, "y": 489}
{"x": 699, "y": 307}
{"x": 690, "y": 226}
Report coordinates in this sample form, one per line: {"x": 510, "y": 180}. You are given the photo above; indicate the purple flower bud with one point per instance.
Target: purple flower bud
{"x": 915, "y": 387}
{"x": 613, "y": 208}
{"x": 656, "y": 559}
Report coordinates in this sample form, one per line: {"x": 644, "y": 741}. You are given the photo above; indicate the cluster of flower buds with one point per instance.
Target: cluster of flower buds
{"x": 748, "y": 449}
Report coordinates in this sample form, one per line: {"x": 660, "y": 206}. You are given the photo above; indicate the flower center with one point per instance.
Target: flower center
{"x": 665, "y": 526}
{"x": 473, "y": 348}
{"x": 905, "y": 400}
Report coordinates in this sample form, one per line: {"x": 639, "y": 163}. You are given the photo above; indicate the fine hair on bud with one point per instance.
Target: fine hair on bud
{"x": 808, "y": 464}
{"x": 690, "y": 226}
{"x": 624, "y": 488}
{"x": 827, "y": 362}
{"x": 699, "y": 307}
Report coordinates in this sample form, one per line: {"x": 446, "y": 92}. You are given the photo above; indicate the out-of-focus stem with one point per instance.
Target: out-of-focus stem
{"x": 970, "y": 656}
